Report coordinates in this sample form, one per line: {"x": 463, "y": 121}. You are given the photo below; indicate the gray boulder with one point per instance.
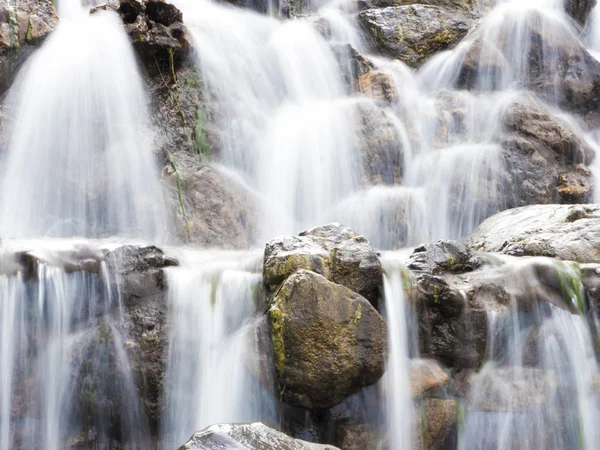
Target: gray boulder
{"x": 328, "y": 341}
{"x": 559, "y": 231}
{"x": 414, "y": 33}
{"x": 247, "y": 436}
{"x": 334, "y": 251}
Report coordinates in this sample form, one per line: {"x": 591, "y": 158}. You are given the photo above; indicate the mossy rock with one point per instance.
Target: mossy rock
{"x": 329, "y": 342}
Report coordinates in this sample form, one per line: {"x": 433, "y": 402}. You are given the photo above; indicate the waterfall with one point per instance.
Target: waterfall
{"x": 79, "y": 160}
{"x": 396, "y": 381}
{"x": 288, "y": 123}
{"x": 212, "y": 352}
{"x": 59, "y": 347}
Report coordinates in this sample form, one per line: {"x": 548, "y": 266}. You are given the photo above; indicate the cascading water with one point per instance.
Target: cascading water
{"x": 212, "y": 375}
{"x": 58, "y": 357}
{"x": 79, "y": 160}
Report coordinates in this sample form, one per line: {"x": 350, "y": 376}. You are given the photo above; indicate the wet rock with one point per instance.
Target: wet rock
{"x": 413, "y": 33}
{"x": 381, "y": 145}
{"x": 219, "y": 209}
{"x": 142, "y": 286}
{"x": 22, "y": 28}
{"x": 377, "y": 85}
{"x": 453, "y": 305}
{"x": 318, "y": 369}
{"x": 425, "y": 376}
{"x": 545, "y": 157}
{"x": 157, "y": 33}
{"x": 352, "y": 63}
{"x": 579, "y": 9}
{"x": 435, "y": 427}
{"x": 443, "y": 256}
{"x": 334, "y": 251}
{"x": 358, "y": 437}
{"x": 558, "y": 231}
{"x": 247, "y": 436}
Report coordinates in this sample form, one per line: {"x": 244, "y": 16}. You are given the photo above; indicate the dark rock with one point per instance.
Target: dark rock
{"x": 413, "y": 33}
{"x": 443, "y": 256}
{"x": 328, "y": 341}
{"x": 579, "y": 9}
{"x": 247, "y": 436}
{"x": 453, "y": 301}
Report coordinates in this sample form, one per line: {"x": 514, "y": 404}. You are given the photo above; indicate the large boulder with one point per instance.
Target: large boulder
{"x": 211, "y": 207}
{"x": 334, "y": 251}
{"x": 22, "y": 28}
{"x": 559, "y": 231}
{"x": 435, "y": 425}
{"x": 247, "y": 436}
{"x": 413, "y": 33}
{"x": 328, "y": 341}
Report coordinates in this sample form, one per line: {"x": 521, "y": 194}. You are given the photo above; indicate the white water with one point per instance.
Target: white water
{"x": 212, "y": 358}
{"x": 80, "y": 159}
{"x": 58, "y": 346}
{"x": 396, "y": 382}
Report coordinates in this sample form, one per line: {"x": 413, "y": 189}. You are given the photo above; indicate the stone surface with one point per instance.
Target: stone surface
{"x": 22, "y": 28}
{"x": 579, "y": 9}
{"x": 380, "y": 144}
{"x": 377, "y": 85}
{"x": 453, "y": 302}
{"x": 247, "y": 436}
{"x": 435, "y": 424}
{"x": 413, "y": 33}
{"x": 219, "y": 209}
{"x": 328, "y": 341}
{"x": 559, "y": 231}
{"x": 425, "y": 376}
{"x": 334, "y": 251}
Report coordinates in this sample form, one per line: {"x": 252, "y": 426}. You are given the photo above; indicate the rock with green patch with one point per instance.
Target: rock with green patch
{"x": 328, "y": 341}
{"x": 414, "y": 33}
{"x": 23, "y": 28}
{"x": 334, "y": 251}
{"x": 247, "y": 436}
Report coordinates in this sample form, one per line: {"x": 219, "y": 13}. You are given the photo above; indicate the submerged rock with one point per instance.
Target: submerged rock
{"x": 413, "y": 33}
{"x": 328, "y": 341}
{"x": 425, "y": 375}
{"x": 334, "y": 251}
{"x": 559, "y": 231}
{"x": 247, "y": 436}
{"x": 22, "y": 28}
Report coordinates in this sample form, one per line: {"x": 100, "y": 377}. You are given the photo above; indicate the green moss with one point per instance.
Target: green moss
{"x": 14, "y": 33}
{"x": 201, "y": 141}
{"x": 436, "y": 294}
{"x": 277, "y": 317}
{"x": 571, "y": 286}
{"x": 29, "y": 37}
{"x": 452, "y": 263}
{"x": 399, "y": 33}
{"x": 358, "y": 313}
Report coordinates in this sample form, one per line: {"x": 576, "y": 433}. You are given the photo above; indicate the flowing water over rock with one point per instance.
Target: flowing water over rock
{"x": 110, "y": 344}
